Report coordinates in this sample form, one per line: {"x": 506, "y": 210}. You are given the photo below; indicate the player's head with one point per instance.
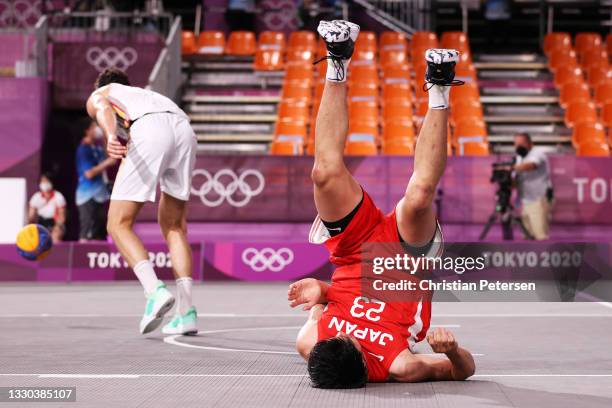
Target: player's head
{"x": 522, "y": 143}
{"x": 111, "y": 76}
{"x": 337, "y": 363}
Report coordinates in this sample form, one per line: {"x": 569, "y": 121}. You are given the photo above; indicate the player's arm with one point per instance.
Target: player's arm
{"x": 308, "y": 292}
{"x": 308, "y": 335}
{"x": 100, "y": 109}
{"x": 459, "y": 366}
{"x": 525, "y": 166}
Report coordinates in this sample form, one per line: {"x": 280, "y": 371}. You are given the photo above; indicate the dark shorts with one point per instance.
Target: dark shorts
{"x": 92, "y": 220}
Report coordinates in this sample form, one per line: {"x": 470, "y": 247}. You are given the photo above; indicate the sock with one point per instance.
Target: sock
{"x": 438, "y": 97}
{"x": 146, "y": 275}
{"x": 336, "y": 71}
{"x": 183, "y": 294}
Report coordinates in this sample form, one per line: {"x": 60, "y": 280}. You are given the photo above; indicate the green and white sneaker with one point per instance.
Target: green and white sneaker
{"x": 185, "y": 324}
{"x": 158, "y": 304}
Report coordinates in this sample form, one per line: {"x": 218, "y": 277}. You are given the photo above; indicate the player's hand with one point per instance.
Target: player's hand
{"x": 442, "y": 340}
{"x": 115, "y": 149}
{"x": 305, "y": 292}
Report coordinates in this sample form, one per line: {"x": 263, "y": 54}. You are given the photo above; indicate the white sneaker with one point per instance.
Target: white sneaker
{"x": 158, "y": 304}
{"x": 184, "y": 325}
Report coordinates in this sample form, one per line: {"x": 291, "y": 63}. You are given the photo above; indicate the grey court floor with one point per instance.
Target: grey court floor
{"x": 85, "y": 336}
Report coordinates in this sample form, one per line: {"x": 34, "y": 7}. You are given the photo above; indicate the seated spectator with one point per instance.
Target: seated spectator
{"x": 48, "y": 208}
{"x": 92, "y": 192}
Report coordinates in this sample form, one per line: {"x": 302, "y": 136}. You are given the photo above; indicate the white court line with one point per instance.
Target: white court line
{"x": 136, "y": 376}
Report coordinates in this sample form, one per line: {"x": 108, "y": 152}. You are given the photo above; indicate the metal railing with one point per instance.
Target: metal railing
{"x": 33, "y": 61}
{"x": 400, "y": 15}
{"x": 165, "y": 77}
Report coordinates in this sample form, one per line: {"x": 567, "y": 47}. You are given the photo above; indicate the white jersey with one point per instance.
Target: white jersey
{"x": 136, "y": 102}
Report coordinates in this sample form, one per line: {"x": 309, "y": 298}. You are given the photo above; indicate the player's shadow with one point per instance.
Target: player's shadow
{"x": 486, "y": 393}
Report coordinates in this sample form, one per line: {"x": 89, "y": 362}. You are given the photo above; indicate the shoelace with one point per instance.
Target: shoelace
{"x": 454, "y": 82}
{"x": 338, "y": 66}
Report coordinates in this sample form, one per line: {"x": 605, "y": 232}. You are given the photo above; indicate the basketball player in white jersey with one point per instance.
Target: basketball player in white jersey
{"x": 153, "y": 138}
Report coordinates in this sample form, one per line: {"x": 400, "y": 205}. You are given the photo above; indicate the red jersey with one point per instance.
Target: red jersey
{"x": 382, "y": 329}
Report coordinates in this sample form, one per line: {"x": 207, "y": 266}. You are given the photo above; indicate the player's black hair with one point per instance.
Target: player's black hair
{"x": 337, "y": 363}
{"x": 111, "y": 76}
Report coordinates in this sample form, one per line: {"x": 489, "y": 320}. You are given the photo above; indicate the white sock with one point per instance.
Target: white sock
{"x": 438, "y": 97}
{"x": 337, "y": 75}
{"x": 146, "y": 275}
{"x": 183, "y": 294}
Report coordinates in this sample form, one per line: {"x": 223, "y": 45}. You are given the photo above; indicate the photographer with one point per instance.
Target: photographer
{"x": 534, "y": 186}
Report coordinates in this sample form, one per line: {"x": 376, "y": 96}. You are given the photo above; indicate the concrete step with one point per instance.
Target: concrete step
{"x": 538, "y": 139}
{"x": 550, "y": 129}
{"x": 510, "y": 65}
{"x": 242, "y": 99}
{"x": 502, "y": 110}
{"x": 208, "y": 137}
{"x": 238, "y": 109}
{"x": 513, "y": 74}
{"x": 246, "y": 79}
{"x": 526, "y": 57}
{"x": 523, "y": 119}
{"x": 233, "y": 128}
{"x": 232, "y": 148}
{"x": 201, "y": 117}
{"x": 519, "y": 99}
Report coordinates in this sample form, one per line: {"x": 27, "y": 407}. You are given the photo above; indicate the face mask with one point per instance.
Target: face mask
{"x": 98, "y": 133}
{"x": 522, "y": 151}
{"x": 45, "y": 187}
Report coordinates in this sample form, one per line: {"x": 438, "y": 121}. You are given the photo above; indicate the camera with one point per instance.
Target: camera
{"x": 503, "y": 177}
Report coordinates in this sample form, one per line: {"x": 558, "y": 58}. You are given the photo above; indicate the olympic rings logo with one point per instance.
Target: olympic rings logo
{"x": 237, "y": 190}
{"x": 111, "y": 57}
{"x": 267, "y": 259}
{"x": 19, "y": 13}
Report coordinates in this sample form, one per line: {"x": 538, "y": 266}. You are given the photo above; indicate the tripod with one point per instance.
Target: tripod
{"x": 504, "y": 212}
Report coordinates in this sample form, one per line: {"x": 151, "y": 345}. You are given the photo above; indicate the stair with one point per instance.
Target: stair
{"x": 518, "y": 95}
{"x": 232, "y": 107}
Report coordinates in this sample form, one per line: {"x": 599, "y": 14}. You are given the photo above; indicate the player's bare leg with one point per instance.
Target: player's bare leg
{"x": 121, "y": 216}
{"x": 336, "y": 193}
{"x": 172, "y": 218}
{"x": 416, "y": 216}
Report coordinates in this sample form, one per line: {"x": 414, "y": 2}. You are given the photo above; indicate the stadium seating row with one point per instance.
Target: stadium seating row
{"x": 386, "y": 105}
{"x": 583, "y": 77}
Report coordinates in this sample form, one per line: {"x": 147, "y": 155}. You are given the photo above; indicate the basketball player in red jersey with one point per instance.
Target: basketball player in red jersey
{"x": 349, "y": 339}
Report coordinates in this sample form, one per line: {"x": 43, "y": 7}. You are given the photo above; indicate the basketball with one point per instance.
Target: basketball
{"x": 34, "y": 242}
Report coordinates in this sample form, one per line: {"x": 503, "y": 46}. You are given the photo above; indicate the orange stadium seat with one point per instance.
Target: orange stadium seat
{"x": 398, "y": 129}
{"x": 271, "y": 40}
{"x": 268, "y": 60}
{"x": 293, "y": 110}
{"x": 290, "y": 130}
{"x": 467, "y": 91}
{"x": 321, "y": 48}
{"x": 603, "y": 93}
{"x": 418, "y": 57}
{"x": 241, "y": 43}
{"x": 455, "y": 39}
{"x": 299, "y": 73}
{"x": 366, "y": 111}
{"x": 319, "y": 86}
{"x": 303, "y": 40}
{"x": 562, "y": 58}
{"x": 366, "y": 41}
{"x": 321, "y": 69}
{"x": 568, "y": 74}
{"x": 598, "y": 75}
{"x": 393, "y": 74}
{"x": 573, "y": 92}
{"x": 469, "y": 130}
{"x": 363, "y": 57}
{"x": 580, "y": 111}
{"x": 588, "y": 132}
{"x": 594, "y": 57}
{"x": 396, "y": 91}
{"x": 188, "y": 43}
{"x": 474, "y": 149}
{"x": 424, "y": 39}
{"x": 593, "y": 149}
{"x": 211, "y": 42}
{"x": 362, "y": 131}
{"x": 299, "y": 56}
{"x": 398, "y": 147}
{"x": 392, "y": 57}
{"x": 465, "y": 58}
{"x": 586, "y": 41}
{"x": 421, "y": 107}
{"x": 465, "y": 72}
{"x": 363, "y": 74}
{"x": 360, "y": 148}
{"x": 286, "y": 148}
{"x": 465, "y": 109}
{"x": 606, "y": 115}
{"x": 397, "y": 111}
{"x": 556, "y": 40}
{"x": 393, "y": 40}
{"x": 297, "y": 91}
{"x": 363, "y": 91}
